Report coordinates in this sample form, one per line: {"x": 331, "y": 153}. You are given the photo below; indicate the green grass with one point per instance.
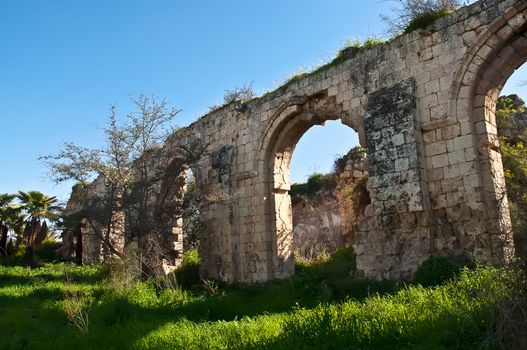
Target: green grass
{"x": 350, "y": 49}
{"x": 321, "y": 307}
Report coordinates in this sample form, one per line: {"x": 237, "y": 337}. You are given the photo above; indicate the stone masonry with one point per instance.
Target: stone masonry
{"x": 423, "y": 106}
{"x": 327, "y": 219}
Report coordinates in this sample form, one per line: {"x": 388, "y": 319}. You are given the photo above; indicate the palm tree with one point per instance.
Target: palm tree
{"x": 10, "y": 219}
{"x": 37, "y": 209}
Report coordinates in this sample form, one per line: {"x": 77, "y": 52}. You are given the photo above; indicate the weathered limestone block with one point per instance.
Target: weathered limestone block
{"x": 392, "y": 112}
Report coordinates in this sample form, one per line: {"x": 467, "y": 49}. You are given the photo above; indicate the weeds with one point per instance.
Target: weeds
{"x": 414, "y": 14}
{"x": 315, "y": 184}
{"x": 77, "y": 307}
{"x": 210, "y": 286}
{"x": 349, "y": 50}
{"x": 311, "y": 249}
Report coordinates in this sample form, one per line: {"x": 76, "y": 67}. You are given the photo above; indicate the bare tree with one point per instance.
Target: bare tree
{"x": 122, "y": 181}
{"x": 239, "y": 94}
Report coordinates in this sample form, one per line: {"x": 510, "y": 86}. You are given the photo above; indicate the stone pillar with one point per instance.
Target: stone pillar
{"x": 218, "y": 236}
{"x": 91, "y": 246}
{"x": 394, "y": 237}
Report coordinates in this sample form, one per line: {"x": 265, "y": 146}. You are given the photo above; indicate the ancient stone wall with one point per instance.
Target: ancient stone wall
{"x": 423, "y": 107}
{"x": 317, "y": 225}
{"x": 444, "y": 204}
{"x": 327, "y": 217}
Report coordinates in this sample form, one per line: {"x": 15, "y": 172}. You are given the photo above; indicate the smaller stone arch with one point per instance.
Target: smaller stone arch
{"x": 169, "y": 205}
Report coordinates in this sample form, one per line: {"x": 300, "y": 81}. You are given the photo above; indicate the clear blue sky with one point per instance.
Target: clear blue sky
{"x": 62, "y": 64}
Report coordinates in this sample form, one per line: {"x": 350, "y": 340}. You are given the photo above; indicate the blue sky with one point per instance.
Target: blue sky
{"x": 63, "y": 63}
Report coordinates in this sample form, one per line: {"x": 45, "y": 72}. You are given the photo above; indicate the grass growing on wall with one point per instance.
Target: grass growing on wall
{"x": 322, "y": 307}
{"x": 350, "y": 49}
{"x": 315, "y": 184}
{"x": 426, "y": 20}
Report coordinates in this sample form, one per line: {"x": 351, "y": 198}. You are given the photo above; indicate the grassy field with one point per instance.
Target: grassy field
{"x": 321, "y": 307}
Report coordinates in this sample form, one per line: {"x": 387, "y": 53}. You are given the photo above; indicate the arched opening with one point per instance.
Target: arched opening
{"x": 289, "y": 126}
{"x": 176, "y": 215}
{"x": 494, "y": 57}
{"x": 327, "y": 169}
{"x": 191, "y": 215}
{"x": 511, "y": 123}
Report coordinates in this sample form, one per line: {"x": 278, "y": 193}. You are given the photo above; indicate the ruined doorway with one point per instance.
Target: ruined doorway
{"x": 178, "y": 210}
{"x": 291, "y": 125}
{"x": 324, "y": 163}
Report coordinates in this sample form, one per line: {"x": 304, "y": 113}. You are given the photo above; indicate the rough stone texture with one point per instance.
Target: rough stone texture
{"x": 436, "y": 178}
{"x": 352, "y": 195}
{"x": 317, "y": 224}
{"x": 393, "y": 238}
{"x": 328, "y": 219}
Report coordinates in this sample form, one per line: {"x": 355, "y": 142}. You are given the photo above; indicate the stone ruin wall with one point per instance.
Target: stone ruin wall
{"x": 317, "y": 224}
{"x": 327, "y": 220}
{"x": 422, "y": 105}
{"x": 89, "y": 236}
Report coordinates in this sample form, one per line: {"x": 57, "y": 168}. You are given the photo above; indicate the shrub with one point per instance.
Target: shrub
{"x": 76, "y": 307}
{"x": 425, "y": 20}
{"x": 125, "y": 272}
{"x": 315, "y": 184}
{"x": 436, "y": 270}
{"x": 414, "y": 14}
{"x": 239, "y": 94}
{"x": 188, "y": 274}
{"x": 47, "y": 251}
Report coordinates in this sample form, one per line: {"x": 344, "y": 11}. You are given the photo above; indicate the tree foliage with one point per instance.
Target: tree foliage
{"x": 37, "y": 208}
{"x": 137, "y": 172}
{"x": 27, "y": 216}
{"x": 10, "y": 219}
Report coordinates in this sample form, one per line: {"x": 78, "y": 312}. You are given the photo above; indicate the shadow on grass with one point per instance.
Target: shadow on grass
{"x": 325, "y": 281}
{"x": 118, "y": 320}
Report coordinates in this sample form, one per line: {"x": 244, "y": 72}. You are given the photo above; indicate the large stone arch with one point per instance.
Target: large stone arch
{"x": 288, "y": 124}
{"x": 495, "y": 54}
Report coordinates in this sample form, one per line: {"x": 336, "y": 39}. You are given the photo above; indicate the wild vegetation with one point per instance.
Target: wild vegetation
{"x": 63, "y": 306}
{"x": 316, "y": 183}
{"x": 511, "y": 118}
{"x": 326, "y": 305}
{"x": 24, "y": 223}
{"x": 410, "y": 15}
{"x": 350, "y": 49}
{"x": 135, "y": 180}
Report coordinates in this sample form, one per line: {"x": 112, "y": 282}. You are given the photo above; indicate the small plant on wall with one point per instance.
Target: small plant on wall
{"x": 415, "y": 14}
